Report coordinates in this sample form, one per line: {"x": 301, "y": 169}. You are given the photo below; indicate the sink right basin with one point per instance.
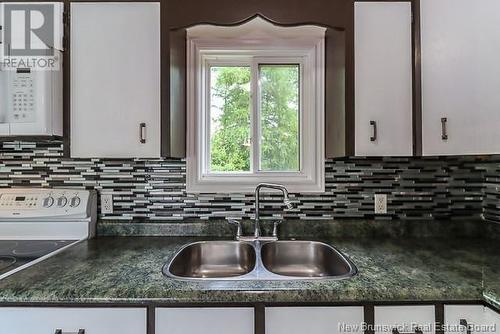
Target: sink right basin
{"x": 305, "y": 259}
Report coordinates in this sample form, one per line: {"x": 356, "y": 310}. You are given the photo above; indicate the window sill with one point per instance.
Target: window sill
{"x": 227, "y": 184}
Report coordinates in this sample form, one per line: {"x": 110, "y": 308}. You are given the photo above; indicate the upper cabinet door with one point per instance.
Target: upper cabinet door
{"x": 383, "y": 91}
{"x": 460, "y": 76}
{"x": 115, "y": 80}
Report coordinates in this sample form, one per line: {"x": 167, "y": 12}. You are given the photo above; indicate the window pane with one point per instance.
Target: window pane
{"x": 279, "y": 114}
{"x": 230, "y": 119}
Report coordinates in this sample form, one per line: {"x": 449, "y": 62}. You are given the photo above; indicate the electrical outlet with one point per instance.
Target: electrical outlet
{"x": 106, "y": 203}
{"x": 380, "y": 203}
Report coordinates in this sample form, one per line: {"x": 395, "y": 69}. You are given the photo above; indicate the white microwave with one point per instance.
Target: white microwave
{"x": 31, "y": 101}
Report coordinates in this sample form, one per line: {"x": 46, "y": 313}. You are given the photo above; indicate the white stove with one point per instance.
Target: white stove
{"x": 36, "y": 223}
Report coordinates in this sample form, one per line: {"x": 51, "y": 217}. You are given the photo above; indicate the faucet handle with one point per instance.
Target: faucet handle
{"x": 275, "y": 228}
{"x": 236, "y": 222}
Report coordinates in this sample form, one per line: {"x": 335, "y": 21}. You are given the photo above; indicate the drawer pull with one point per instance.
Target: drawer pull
{"x": 374, "y": 131}
{"x": 59, "y": 331}
{"x": 444, "y": 128}
{"x": 464, "y": 323}
{"x": 417, "y": 331}
{"x": 142, "y": 133}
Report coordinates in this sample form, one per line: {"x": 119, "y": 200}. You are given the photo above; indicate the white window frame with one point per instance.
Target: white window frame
{"x": 309, "y": 52}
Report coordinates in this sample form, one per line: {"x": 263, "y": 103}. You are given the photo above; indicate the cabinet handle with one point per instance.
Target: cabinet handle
{"x": 59, "y": 331}
{"x": 374, "y": 131}
{"x": 444, "y": 129}
{"x": 142, "y": 133}
{"x": 417, "y": 331}
{"x": 463, "y": 322}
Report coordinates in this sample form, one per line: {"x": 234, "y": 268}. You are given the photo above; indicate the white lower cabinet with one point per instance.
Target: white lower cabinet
{"x": 314, "y": 320}
{"x": 492, "y": 319}
{"x": 30, "y": 320}
{"x": 458, "y": 319}
{"x": 470, "y": 319}
{"x": 205, "y": 320}
{"x": 405, "y": 319}
{"x": 456, "y": 316}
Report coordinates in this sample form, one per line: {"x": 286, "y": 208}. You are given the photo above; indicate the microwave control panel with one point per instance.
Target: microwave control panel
{"x": 22, "y": 99}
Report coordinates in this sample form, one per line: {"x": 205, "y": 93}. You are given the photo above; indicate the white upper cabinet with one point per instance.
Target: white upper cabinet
{"x": 383, "y": 79}
{"x": 460, "y": 76}
{"x": 115, "y": 80}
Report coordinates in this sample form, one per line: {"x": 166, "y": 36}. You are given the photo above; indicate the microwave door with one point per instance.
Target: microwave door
{"x": 30, "y": 96}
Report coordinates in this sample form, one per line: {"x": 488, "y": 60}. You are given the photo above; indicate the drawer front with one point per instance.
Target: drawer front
{"x": 37, "y": 320}
{"x": 405, "y": 319}
{"x": 314, "y": 320}
{"x": 205, "y": 320}
{"x": 492, "y": 320}
{"x": 460, "y": 318}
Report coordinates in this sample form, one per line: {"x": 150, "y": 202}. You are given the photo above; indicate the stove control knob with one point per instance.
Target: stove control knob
{"x": 48, "y": 202}
{"x": 62, "y": 201}
{"x": 74, "y": 202}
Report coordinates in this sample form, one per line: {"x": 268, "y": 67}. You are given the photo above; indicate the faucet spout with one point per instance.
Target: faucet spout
{"x": 286, "y": 201}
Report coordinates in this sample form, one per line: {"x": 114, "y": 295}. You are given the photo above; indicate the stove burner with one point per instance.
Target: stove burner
{"x": 6, "y": 262}
{"x": 6, "y": 247}
{"x": 34, "y": 248}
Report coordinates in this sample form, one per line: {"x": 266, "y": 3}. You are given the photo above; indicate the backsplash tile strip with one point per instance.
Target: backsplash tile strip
{"x": 417, "y": 188}
{"x": 492, "y": 191}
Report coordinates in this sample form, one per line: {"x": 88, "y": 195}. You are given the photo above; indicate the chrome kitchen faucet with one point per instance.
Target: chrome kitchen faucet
{"x": 257, "y": 232}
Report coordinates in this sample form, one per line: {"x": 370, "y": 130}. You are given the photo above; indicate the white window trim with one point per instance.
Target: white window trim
{"x": 311, "y": 53}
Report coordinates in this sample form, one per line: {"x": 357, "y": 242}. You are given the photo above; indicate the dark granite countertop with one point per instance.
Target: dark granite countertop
{"x": 128, "y": 269}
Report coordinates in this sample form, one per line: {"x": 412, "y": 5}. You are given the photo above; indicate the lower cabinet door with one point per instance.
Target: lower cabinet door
{"x": 492, "y": 321}
{"x": 205, "y": 320}
{"x": 404, "y": 319}
{"x": 314, "y": 320}
{"x": 31, "y": 320}
{"x": 459, "y": 319}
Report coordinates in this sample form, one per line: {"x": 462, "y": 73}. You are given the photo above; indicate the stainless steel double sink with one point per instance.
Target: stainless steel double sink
{"x": 258, "y": 260}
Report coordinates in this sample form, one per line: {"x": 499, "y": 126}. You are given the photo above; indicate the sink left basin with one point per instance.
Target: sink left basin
{"x": 212, "y": 259}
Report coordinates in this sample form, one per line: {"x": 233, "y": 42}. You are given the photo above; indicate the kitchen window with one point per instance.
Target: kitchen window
{"x": 255, "y": 107}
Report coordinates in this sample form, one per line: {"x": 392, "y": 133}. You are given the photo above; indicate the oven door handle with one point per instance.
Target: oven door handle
{"x": 59, "y": 331}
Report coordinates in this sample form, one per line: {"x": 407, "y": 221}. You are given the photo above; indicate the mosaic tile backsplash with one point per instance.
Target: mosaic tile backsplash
{"x": 417, "y": 188}
{"x": 492, "y": 191}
